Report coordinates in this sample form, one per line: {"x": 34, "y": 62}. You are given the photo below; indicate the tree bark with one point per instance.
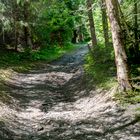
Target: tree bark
{"x": 105, "y": 22}
{"x": 80, "y": 34}
{"x": 75, "y": 35}
{"x": 91, "y": 23}
{"x": 16, "y": 26}
{"x": 136, "y": 25}
{"x": 120, "y": 54}
{"x": 27, "y": 32}
{"x": 16, "y": 36}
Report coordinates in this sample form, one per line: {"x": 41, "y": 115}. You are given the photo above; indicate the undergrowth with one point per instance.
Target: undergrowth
{"x": 130, "y": 97}
{"x": 100, "y": 66}
{"x": 24, "y": 61}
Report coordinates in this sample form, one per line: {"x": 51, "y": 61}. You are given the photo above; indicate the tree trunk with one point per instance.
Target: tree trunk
{"x": 120, "y": 54}
{"x": 75, "y": 35}
{"x": 91, "y": 23}
{"x": 27, "y": 32}
{"x": 16, "y": 26}
{"x": 16, "y": 36}
{"x": 105, "y": 23}
{"x": 80, "y": 34}
{"x": 3, "y": 36}
{"x": 136, "y": 25}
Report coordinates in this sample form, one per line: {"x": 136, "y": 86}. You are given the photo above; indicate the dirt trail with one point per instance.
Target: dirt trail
{"x": 54, "y": 103}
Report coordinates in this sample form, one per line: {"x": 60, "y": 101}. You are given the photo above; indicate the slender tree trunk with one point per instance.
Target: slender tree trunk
{"x": 80, "y": 34}
{"x": 16, "y": 36}
{"x": 3, "y": 36}
{"x": 60, "y": 40}
{"x": 105, "y": 23}
{"x": 75, "y": 35}
{"x": 136, "y": 25}
{"x": 91, "y": 23}
{"x": 120, "y": 54}
{"x": 27, "y": 32}
{"x": 16, "y": 28}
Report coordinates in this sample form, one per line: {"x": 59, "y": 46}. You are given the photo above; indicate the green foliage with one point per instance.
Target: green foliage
{"x": 100, "y": 66}
{"x": 25, "y": 60}
{"x": 129, "y": 24}
{"x": 98, "y": 24}
{"x": 48, "y": 54}
{"x": 57, "y": 23}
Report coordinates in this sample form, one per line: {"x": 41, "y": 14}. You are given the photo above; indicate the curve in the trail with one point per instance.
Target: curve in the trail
{"x": 54, "y": 102}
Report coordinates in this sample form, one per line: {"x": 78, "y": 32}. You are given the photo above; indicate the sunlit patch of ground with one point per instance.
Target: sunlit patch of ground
{"x": 54, "y": 103}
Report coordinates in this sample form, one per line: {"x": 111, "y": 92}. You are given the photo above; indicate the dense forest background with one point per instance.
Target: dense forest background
{"x": 69, "y": 69}
{"x": 43, "y": 30}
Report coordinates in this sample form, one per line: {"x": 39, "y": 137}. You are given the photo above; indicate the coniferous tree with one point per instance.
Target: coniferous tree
{"x": 105, "y": 23}
{"x": 91, "y": 23}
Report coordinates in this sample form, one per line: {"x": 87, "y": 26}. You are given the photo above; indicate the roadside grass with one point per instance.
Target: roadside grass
{"x": 101, "y": 67}
{"x": 5, "y": 98}
{"x": 131, "y": 97}
{"x": 5, "y": 74}
{"x": 24, "y": 61}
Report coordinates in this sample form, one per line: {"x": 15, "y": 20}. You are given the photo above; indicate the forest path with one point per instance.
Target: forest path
{"x": 54, "y": 103}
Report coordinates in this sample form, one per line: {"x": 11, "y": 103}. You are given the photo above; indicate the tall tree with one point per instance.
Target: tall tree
{"x": 136, "y": 25}
{"x": 105, "y": 22}
{"x": 120, "y": 54}
{"x": 27, "y": 30}
{"x": 15, "y": 14}
{"x": 91, "y": 23}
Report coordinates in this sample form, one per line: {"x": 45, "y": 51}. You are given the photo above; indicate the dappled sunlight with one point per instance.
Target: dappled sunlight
{"x": 53, "y": 102}
{"x": 31, "y": 80}
{"x": 82, "y": 109}
{"x": 31, "y": 113}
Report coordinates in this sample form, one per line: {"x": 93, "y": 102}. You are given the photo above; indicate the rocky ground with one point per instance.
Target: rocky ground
{"x": 54, "y": 102}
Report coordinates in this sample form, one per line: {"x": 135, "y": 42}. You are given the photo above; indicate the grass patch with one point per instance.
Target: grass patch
{"x": 100, "y": 66}
{"x": 24, "y": 61}
{"x": 50, "y": 54}
{"x": 5, "y": 98}
{"x": 4, "y": 76}
{"x": 131, "y": 97}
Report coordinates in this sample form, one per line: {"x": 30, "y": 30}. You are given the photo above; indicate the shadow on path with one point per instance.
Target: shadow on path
{"x": 54, "y": 102}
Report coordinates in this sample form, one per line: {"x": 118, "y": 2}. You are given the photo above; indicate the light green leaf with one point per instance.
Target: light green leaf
{"x": 18, "y": 1}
